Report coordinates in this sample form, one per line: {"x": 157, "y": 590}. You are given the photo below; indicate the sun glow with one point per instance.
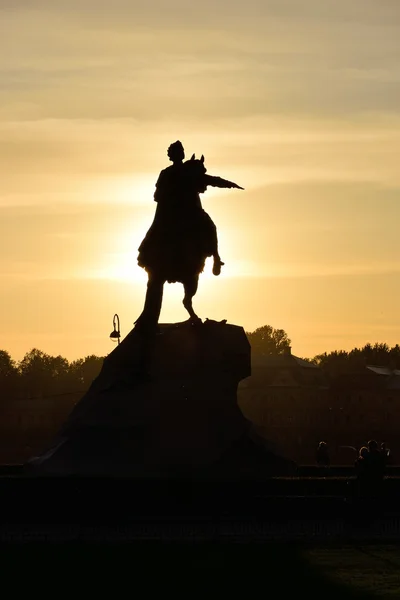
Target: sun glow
{"x": 121, "y": 265}
{"x": 123, "y": 268}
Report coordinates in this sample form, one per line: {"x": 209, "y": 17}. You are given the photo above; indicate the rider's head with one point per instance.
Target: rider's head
{"x": 176, "y": 152}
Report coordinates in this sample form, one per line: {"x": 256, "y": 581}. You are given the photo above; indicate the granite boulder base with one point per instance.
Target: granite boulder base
{"x": 165, "y": 405}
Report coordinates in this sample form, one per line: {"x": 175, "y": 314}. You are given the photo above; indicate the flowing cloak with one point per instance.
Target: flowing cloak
{"x": 182, "y": 234}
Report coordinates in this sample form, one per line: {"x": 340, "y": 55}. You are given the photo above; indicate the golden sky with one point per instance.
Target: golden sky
{"x": 298, "y": 101}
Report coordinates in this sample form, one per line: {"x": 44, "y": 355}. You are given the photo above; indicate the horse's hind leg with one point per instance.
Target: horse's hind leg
{"x": 190, "y": 287}
{"x": 152, "y": 304}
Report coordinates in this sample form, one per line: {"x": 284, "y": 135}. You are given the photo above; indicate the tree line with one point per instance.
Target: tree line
{"x": 38, "y": 374}
{"x": 339, "y": 362}
{"x": 269, "y": 341}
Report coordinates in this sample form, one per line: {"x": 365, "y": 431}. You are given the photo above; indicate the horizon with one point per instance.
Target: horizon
{"x": 297, "y": 102}
{"x": 372, "y": 345}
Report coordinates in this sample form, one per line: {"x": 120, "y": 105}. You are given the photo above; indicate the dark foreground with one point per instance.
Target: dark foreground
{"x": 118, "y": 510}
{"x": 328, "y": 571}
{"x": 285, "y": 537}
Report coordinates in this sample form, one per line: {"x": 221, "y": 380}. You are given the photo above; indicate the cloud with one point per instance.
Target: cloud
{"x": 155, "y": 60}
{"x": 117, "y": 160}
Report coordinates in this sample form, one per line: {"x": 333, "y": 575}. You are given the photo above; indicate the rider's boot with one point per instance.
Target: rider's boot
{"x": 217, "y": 264}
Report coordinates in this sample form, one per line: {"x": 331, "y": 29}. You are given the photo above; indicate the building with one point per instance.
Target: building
{"x": 294, "y": 406}
{"x": 286, "y": 397}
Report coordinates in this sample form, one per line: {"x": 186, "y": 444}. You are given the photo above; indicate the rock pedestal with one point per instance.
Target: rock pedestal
{"x": 164, "y": 406}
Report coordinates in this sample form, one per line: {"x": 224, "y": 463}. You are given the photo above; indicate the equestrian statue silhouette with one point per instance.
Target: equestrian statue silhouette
{"x": 181, "y": 236}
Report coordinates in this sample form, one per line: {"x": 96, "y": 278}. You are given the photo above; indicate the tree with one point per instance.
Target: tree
{"x": 334, "y": 362}
{"x": 8, "y": 376}
{"x": 266, "y": 341}
{"x": 85, "y": 370}
{"x": 42, "y": 374}
{"x": 7, "y": 365}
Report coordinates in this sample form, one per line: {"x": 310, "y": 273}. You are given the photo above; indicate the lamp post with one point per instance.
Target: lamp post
{"x": 115, "y": 334}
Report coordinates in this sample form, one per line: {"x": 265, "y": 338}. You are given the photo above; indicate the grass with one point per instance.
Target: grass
{"x": 373, "y": 569}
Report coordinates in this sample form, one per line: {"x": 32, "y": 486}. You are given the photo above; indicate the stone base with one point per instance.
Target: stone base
{"x": 165, "y": 406}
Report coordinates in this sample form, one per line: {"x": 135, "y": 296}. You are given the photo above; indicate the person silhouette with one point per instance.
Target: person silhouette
{"x": 170, "y": 178}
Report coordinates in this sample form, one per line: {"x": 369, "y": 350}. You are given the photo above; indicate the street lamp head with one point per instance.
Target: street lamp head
{"x": 115, "y": 334}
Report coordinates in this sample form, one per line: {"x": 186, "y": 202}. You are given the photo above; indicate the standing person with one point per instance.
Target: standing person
{"x": 362, "y": 475}
{"x": 385, "y": 452}
{"x": 375, "y": 461}
{"x": 374, "y": 469}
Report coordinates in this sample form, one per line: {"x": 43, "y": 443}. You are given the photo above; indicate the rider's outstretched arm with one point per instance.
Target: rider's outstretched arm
{"x": 220, "y": 183}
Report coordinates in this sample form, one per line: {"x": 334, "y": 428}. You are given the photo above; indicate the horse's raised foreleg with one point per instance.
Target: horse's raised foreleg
{"x": 152, "y": 303}
{"x": 190, "y": 287}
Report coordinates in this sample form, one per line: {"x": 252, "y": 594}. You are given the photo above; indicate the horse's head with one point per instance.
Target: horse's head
{"x": 197, "y": 164}
{"x": 195, "y": 171}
